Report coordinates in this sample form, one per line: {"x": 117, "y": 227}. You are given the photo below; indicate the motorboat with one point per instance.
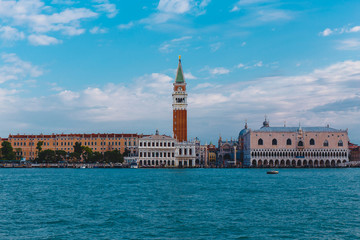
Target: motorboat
{"x": 272, "y": 172}
{"x": 133, "y": 165}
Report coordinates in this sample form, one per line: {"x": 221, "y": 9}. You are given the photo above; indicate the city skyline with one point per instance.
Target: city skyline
{"x": 108, "y": 66}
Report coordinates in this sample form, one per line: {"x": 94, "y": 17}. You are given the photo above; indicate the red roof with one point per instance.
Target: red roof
{"x": 92, "y": 135}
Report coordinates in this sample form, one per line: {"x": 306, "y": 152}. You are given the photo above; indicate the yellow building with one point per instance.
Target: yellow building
{"x": 25, "y": 145}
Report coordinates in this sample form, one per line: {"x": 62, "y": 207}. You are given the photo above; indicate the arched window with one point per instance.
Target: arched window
{"x": 260, "y": 142}
{"x": 340, "y": 143}
{"x": 312, "y": 141}
{"x": 288, "y": 142}
{"x": 326, "y": 143}
{"x": 274, "y": 142}
{"x": 300, "y": 144}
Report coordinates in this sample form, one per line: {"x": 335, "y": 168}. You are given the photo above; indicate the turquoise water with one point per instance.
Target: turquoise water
{"x": 179, "y": 204}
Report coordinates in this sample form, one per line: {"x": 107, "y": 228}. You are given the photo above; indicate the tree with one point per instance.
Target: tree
{"x": 60, "y": 155}
{"x": 87, "y": 153}
{"x": 126, "y": 152}
{"x": 47, "y": 156}
{"x": 39, "y": 146}
{"x": 7, "y": 151}
{"x": 113, "y": 156}
{"x": 97, "y": 157}
{"x": 78, "y": 150}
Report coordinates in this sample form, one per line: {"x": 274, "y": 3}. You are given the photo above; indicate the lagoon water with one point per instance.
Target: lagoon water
{"x": 179, "y": 204}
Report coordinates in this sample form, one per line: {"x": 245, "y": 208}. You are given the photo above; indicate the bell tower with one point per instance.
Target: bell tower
{"x": 180, "y": 106}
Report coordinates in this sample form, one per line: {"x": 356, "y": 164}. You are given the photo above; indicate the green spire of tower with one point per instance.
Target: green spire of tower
{"x": 179, "y": 74}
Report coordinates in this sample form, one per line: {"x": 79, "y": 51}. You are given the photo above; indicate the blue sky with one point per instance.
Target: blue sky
{"x": 108, "y": 65}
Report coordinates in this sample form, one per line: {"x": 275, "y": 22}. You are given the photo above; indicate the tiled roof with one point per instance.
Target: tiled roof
{"x": 92, "y": 135}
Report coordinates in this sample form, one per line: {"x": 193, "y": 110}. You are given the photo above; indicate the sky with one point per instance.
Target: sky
{"x": 107, "y": 66}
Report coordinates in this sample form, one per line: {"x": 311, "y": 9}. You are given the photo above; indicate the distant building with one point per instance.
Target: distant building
{"x": 204, "y": 155}
{"x": 164, "y": 151}
{"x": 295, "y": 146}
{"x": 228, "y": 153}
{"x": 198, "y": 153}
{"x": 211, "y": 154}
{"x": 354, "y": 152}
{"x": 25, "y": 145}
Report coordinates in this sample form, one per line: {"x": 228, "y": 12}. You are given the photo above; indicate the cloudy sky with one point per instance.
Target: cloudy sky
{"x": 71, "y": 66}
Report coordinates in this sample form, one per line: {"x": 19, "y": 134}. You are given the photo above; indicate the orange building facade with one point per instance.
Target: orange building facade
{"x": 25, "y": 145}
{"x": 180, "y": 106}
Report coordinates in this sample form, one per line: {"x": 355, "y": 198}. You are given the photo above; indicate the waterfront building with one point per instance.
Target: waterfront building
{"x": 295, "y": 146}
{"x": 197, "y": 152}
{"x": 228, "y": 153}
{"x": 211, "y": 152}
{"x": 164, "y": 151}
{"x": 180, "y": 106}
{"x": 354, "y": 152}
{"x": 25, "y": 145}
{"x": 204, "y": 155}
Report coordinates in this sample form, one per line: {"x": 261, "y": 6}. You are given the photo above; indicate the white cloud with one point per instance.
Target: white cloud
{"x": 98, "y": 30}
{"x": 43, "y": 40}
{"x": 355, "y": 29}
{"x": 126, "y": 26}
{"x": 347, "y": 29}
{"x": 11, "y": 34}
{"x": 219, "y": 71}
{"x": 173, "y": 10}
{"x": 252, "y": 2}
{"x": 349, "y": 44}
{"x": 189, "y": 76}
{"x": 13, "y": 68}
{"x": 215, "y": 46}
{"x": 235, "y": 9}
{"x": 66, "y": 2}
{"x": 176, "y": 43}
{"x": 258, "y": 64}
{"x": 107, "y": 7}
{"x": 35, "y": 18}
{"x": 326, "y": 32}
{"x": 174, "y": 6}
{"x": 203, "y": 85}
{"x": 270, "y": 15}
{"x": 240, "y": 65}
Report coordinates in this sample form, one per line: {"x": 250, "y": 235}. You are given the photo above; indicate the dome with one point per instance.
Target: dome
{"x": 243, "y": 132}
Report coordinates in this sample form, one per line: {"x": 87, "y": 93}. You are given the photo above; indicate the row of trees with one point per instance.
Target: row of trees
{"x": 80, "y": 154}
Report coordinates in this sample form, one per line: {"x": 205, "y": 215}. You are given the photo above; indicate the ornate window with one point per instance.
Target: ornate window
{"x": 260, "y": 142}
{"x": 326, "y": 143}
{"x": 300, "y": 144}
{"x": 274, "y": 142}
{"x": 312, "y": 141}
{"x": 288, "y": 142}
{"x": 340, "y": 143}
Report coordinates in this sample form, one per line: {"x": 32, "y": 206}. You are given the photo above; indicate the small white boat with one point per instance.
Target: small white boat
{"x": 272, "y": 172}
{"x": 133, "y": 165}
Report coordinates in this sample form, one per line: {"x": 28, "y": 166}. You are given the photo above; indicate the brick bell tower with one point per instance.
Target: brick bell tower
{"x": 179, "y": 106}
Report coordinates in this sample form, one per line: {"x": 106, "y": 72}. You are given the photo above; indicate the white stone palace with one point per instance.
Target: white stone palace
{"x": 295, "y": 147}
{"x": 164, "y": 151}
